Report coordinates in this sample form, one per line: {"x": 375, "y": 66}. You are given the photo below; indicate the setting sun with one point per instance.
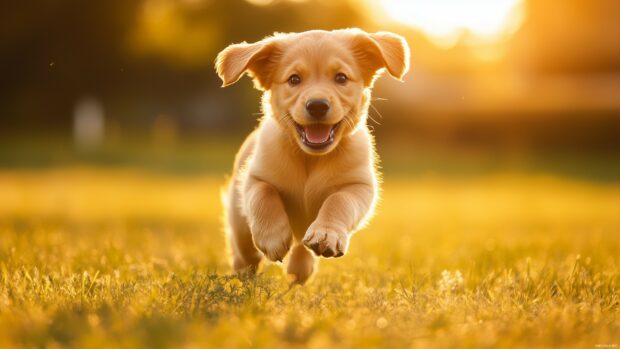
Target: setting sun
{"x": 445, "y": 20}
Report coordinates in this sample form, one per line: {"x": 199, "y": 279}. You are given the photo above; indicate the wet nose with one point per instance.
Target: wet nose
{"x": 317, "y": 107}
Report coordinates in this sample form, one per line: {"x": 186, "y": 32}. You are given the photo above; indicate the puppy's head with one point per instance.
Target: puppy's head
{"x": 317, "y": 83}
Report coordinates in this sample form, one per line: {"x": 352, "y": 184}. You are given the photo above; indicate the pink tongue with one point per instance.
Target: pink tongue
{"x": 317, "y": 133}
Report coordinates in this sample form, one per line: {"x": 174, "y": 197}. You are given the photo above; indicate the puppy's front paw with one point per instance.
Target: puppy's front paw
{"x": 326, "y": 242}
{"x": 274, "y": 241}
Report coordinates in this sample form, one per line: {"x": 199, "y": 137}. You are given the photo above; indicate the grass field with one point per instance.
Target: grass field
{"x": 93, "y": 258}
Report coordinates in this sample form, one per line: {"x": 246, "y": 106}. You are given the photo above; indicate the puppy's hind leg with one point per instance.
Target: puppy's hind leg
{"x": 301, "y": 264}
{"x": 245, "y": 257}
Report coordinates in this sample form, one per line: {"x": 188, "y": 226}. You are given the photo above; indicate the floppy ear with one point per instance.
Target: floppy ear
{"x": 380, "y": 50}
{"x": 257, "y": 59}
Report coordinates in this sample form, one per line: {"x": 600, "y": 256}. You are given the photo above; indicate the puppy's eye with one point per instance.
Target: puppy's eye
{"x": 341, "y": 78}
{"x": 294, "y": 80}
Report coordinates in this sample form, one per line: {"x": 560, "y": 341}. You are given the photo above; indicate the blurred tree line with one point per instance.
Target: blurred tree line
{"x": 151, "y": 61}
{"x": 54, "y": 52}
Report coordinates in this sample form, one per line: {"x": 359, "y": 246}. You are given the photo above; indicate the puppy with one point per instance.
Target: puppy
{"x": 305, "y": 179}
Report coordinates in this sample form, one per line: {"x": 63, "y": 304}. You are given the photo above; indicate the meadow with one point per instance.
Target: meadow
{"x": 94, "y": 257}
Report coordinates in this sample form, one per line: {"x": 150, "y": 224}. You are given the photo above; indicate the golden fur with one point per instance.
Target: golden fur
{"x": 286, "y": 193}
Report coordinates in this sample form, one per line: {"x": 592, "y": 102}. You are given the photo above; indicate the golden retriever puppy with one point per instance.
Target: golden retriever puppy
{"x": 306, "y": 178}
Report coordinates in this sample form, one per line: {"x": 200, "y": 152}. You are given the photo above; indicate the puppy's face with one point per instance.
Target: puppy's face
{"x": 317, "y": 82}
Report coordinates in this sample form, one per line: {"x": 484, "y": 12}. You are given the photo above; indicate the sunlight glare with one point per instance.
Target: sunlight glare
{"x": 444, "y": 20}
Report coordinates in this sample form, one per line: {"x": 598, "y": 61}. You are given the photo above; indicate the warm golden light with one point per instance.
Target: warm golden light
{"x": 445, "y": 20}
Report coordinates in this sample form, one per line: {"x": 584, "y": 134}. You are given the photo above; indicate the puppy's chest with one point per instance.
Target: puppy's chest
{"x": 302, "y": 188}
{"x": 305, "y": 189}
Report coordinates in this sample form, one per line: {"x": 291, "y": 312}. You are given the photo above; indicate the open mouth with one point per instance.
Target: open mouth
{"x": 317, "y": 136}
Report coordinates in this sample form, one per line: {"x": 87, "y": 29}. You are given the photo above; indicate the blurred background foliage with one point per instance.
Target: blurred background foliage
{"x": 515, "y": 84}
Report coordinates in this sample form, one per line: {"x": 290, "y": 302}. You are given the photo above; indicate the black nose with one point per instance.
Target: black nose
{"x": 317, "y": 107}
